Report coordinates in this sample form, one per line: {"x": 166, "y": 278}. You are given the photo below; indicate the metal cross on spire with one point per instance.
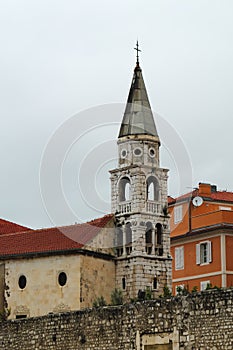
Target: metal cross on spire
{"x": 137, "y": 49}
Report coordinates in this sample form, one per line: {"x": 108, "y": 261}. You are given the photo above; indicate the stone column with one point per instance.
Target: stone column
{"x": 153, "y": 240}
{"x": 124, "y": 240}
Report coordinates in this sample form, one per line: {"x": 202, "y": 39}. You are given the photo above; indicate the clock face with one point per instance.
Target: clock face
{"x": 152, "y": 152}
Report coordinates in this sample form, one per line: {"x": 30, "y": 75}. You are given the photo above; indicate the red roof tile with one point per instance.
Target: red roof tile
{"x": 51, "y": 239}
{"x": 222, "y": 196}
{"x": 10, "y": 227}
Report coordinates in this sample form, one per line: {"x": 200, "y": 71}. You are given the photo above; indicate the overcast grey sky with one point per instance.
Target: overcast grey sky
{"x": 62, "y": 57}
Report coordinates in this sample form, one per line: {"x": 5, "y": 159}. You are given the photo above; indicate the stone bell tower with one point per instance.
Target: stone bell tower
{"x": 139, "y": 200}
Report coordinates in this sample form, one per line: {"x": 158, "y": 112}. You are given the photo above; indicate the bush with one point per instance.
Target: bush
{"x": 182, "y": 290}
{"x": 166, "y": 292}
{"x": 148, "y": 294}
{"x": 116, "y": 297}
{"x": 100, "y": 301}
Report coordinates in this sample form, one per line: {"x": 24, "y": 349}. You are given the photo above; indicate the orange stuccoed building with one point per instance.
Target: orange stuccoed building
{"x": 202, "y": 238}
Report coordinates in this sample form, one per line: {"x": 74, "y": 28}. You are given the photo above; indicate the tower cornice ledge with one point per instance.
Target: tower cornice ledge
{"x": 139, "y": 137}
{"x": 144, "y": 166}
{"x": 144, "y": 256}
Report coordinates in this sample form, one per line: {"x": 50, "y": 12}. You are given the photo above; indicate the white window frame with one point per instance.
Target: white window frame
{"x": 225, "y": 208}
{"x": 203, "y": 285}
{"x": 179, "y": 258}
{"x": 178, "y": 214}
{"x": 199, "y": 256}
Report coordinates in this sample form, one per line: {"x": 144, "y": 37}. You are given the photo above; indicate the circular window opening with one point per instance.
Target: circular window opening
{"x": 152, "y": 152}
{"x": 137, "y": 151}
{"x": 123, "y": 153}
{"x": 22, "y": 282}
{"x": 62, "y": 278}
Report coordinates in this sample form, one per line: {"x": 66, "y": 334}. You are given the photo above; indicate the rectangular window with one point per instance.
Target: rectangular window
{"x": 178, "y": 214}
{"x": 203, "y": 253}
{"x": 20, "y": 316}
{"x": 204, "y": 285}
{"x": 155, "y": 283}
{"x": 179, "y": 258}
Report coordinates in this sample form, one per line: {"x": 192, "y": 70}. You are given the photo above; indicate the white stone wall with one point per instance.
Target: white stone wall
{"x": 139, "y": 268}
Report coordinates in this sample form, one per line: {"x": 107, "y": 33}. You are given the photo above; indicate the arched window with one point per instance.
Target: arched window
{"x": 119, "y": 240}
{"x": 119, "y": 236}
{"x": 159, "y": 233}
{"x": 128, "y": 235}
{"x": 149, "y": 238}
{"x": 152, "y": 189}
{"x": 148, "y": 232}
{"x": 124, "y": 189}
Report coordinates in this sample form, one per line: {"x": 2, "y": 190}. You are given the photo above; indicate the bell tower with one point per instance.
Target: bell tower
{"x": 139, "y": 200}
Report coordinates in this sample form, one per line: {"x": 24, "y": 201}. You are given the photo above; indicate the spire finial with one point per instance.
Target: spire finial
{"x": 137, "y": 49}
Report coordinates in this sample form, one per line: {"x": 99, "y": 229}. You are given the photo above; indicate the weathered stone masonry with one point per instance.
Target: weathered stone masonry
{"x": 200, "y": 321}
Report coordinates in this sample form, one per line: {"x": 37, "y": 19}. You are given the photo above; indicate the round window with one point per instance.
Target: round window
{"x": 137, "y": 151}
{"x": 123, "y": 153}
{"x": 152, "y": 152}
{"x": 22, "y": 282}
{"x": 62, "y": 278}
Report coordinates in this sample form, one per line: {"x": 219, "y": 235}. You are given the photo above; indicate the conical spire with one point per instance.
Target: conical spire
{"x": 138, "y": 118}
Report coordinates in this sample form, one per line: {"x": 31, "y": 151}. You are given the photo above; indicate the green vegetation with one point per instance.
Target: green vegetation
{"x": 117, "y": 297}
{"x": 99, "y": 301}
{"x": 166, "y": 292}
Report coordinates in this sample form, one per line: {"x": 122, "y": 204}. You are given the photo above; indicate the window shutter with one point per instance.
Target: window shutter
{"x": 179, "y": 258}
{"x": 198, "y": 260}
{"x": 178, "y": 215}
{"x": 176, "y": 258}
{"x": 209, "y": 251}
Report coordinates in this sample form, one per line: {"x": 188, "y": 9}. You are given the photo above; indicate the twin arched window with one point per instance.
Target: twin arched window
{"x": 152, "y": 189}
{"x": 157, "y": 239}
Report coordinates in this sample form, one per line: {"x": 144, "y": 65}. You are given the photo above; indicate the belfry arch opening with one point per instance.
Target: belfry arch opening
{"x": 124, "y": 189}
{"x": 119, "y": 240}
{"x": 152, "y": 189}
{"x": 159, "y": 234}
{"x": 148, "y": 237}
{"x": 128, "y": 238}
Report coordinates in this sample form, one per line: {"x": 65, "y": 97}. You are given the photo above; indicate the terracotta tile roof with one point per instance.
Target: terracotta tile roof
{"x": 52, "y": 239}
{"x": 222, "y": 196}
{"x": 10, "y": 227}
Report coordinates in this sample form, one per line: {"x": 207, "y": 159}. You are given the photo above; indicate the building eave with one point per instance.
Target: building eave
{"x": 75, "y": 251}
{"x": 203, "y": 230}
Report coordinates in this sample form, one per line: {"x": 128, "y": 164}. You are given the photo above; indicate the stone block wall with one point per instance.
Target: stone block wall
{"x": 139, "y": 273}
{"x": 203, "y": 321}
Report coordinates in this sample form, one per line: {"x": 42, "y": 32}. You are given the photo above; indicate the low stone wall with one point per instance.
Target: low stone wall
{"x": 200, "y": 321}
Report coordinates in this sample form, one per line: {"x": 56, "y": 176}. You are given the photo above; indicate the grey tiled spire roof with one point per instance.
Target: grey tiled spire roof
{"x": 138, "y": 118}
